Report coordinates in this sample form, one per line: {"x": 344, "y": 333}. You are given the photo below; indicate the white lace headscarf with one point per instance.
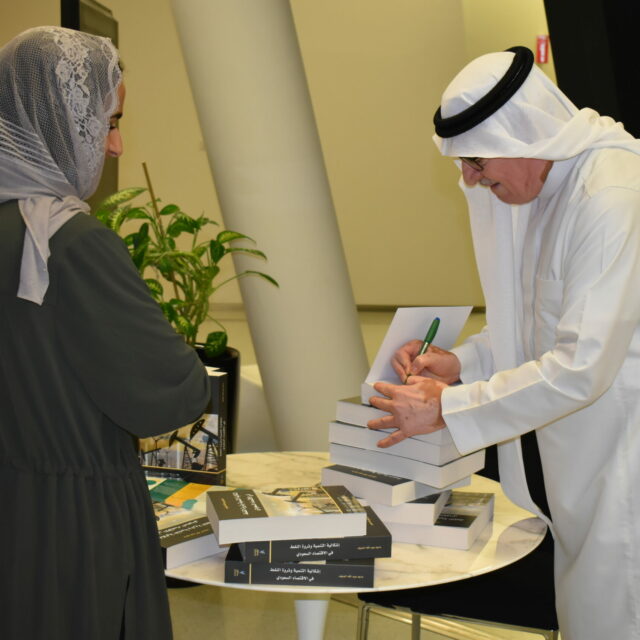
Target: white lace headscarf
{"x": 538, "y": 121}
{"x": 58, "y": 92}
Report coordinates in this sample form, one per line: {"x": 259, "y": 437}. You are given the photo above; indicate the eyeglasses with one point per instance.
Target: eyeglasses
{"x": 475, "y": 163}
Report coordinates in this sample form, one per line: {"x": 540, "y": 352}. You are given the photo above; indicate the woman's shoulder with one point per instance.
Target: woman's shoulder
{"x": 80, "y": 225}
{"x": 84, "y": 230}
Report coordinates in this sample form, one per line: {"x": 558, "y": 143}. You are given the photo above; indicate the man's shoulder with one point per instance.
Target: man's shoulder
{"x": 611, "y": 168}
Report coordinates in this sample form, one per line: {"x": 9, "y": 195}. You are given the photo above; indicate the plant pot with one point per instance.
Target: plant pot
{"x": 229, "y": 362}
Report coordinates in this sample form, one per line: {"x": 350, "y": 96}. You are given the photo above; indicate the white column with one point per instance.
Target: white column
{"x": 253, "y": 102}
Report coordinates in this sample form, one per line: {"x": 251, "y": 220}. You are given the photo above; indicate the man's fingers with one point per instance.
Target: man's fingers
{"x": 394, "y": 438}
{"x": 399, "y": 369}
{"x": 385, "y": 422}
{"x": 384, "y": 404}
{"x": 385, "y": 389}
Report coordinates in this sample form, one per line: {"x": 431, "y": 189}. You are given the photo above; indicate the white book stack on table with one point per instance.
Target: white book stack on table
{"x": 458, "y": 525}
{"x": 415, "y": 468}
{"x": 423, "y": 511}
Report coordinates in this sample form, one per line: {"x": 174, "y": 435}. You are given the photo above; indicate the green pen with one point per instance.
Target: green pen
{"x": 428, "y": 339}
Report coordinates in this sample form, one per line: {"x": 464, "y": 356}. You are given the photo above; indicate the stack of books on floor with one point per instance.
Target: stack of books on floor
{"x": 408, "y": 485}
{"x": 304, "y": 536}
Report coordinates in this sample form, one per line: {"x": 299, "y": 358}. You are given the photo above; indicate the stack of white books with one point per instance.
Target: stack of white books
{"x": 431, "y": 459}
{"x": 454, "y": 522}
{"x": 408, "y": 484}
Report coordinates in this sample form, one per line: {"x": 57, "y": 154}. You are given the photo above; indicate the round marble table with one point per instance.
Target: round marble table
{"x": 513, "y": 534}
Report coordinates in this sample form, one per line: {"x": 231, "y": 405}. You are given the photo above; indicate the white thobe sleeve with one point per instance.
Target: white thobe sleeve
{"x": 588, "y": 335}
{"x": 476, "y": 360}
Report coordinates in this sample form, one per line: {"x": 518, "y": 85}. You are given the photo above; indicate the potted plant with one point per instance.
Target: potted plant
{"x": 180, "y": 267}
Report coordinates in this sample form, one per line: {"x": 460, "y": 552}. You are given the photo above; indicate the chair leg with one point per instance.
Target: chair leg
{"x": 363, "y": 621}
{"x": 415, "y": 626}
{"x": 547, "y": 634}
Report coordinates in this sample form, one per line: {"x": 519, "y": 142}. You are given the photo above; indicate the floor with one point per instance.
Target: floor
{"x": 205, "y": 613}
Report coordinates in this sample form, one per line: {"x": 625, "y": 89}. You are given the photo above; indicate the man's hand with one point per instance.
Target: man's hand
{"x": 435, "y": 363}
{"x": 414, "y": 407}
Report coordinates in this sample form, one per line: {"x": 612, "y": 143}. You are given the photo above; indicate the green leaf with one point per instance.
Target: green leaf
{"x": 185, "y": 327}
{"x": 215, "y": 343}
{"x": 216, "y": 250}
{"x": 200, "y": 250}
{"x": 140, "y": 246}
{"x": 102, "y": 215}
{"x": 169, "y": 209}
{"x": 169, "y": 312}
{"x": 155, "y": 288}
{"x": 137, "y": 213}
{"x": 262, "y": 275}
{"x": 202, "y": 221}
{"x": 207, "y": 274}
{"x": 182, "y": 224}
{"x": 120, "y": 197}
{"x": 228, "y": 236}
{"x": 117, "y": 217}
{"x": 253, "y": 252}
{"x": 165, "y": 267}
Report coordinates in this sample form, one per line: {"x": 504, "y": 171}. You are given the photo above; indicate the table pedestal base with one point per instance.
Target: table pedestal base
{"x": 311, "y": 615}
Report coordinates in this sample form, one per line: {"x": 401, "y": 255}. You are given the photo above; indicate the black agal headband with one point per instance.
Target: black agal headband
{"x": 487, "y": 105}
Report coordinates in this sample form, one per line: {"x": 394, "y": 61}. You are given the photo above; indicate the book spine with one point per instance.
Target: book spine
{"x": 375, "y": 544}
{"x": 288, "y": 574}
{"x": 218, "y": 406}
{"x": 351, "y": 548}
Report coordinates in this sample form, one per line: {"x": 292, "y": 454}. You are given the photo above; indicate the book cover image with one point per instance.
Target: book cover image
{"x": 295, "y": 501}
{"x": 176, "y": 501}
{"x": 183, "y": 527}
{"x": 286, "y": 513}
{"x": 195, "y": 452}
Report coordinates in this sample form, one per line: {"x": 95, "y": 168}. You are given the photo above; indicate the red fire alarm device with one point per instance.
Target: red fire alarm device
{"x": 542, "y": 49}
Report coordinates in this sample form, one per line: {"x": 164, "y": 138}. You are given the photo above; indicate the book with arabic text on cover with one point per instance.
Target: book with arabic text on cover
{"x": 285, "y": 513}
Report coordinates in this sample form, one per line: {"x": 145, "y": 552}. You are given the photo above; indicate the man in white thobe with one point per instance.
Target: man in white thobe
{"x": 554, "y": 203}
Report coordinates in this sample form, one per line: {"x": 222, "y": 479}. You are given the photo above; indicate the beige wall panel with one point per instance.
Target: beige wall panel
{"x": 18, "y": 16}
{"x": 376, "y": 70}
{"x": 496, "y": 25}
{"x": 160, "y": 126}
